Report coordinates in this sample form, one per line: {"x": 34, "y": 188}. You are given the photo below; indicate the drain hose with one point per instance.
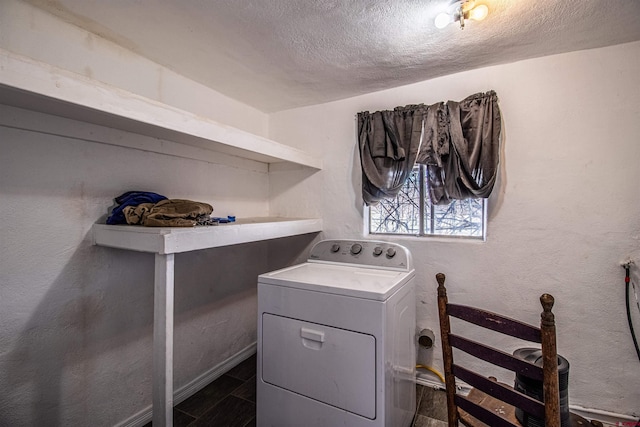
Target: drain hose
{"x": 627, "y": 280}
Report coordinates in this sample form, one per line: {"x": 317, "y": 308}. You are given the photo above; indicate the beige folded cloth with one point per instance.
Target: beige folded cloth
{"x": 167, "y": 213}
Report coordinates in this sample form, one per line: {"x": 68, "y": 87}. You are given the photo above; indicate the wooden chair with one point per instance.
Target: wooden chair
{"x": 490, "y": 402}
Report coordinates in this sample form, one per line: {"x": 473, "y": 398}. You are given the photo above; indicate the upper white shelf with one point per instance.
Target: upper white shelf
{"x": 170, "y": 240}
{"x": 37, "y": 86}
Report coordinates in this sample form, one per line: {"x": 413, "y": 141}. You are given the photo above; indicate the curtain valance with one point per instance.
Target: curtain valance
{"x": 457, "y": 141}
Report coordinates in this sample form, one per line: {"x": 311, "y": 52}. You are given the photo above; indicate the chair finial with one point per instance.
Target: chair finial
{"x": 547, "y": 302}
{"x": 442, "y": 291}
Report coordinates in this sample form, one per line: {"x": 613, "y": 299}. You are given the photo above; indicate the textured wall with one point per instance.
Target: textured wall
{"x": 31, "y": 32}
{"x": 76, "y": 319}
{"x": 565, "y": 213}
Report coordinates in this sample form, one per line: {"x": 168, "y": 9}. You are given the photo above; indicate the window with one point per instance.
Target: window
{"x": 411, "y": 213}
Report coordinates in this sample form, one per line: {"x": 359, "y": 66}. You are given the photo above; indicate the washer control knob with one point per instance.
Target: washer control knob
{"x": 335, "y": 247}
{"x": 377, "y": 251}
{"x": 356, "y": 249}
{"x": 391, "y": 253}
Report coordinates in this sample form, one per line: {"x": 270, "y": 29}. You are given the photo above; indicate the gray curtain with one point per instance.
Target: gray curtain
{"x": 457, "y": 141}
{"x": 389, "y": 144}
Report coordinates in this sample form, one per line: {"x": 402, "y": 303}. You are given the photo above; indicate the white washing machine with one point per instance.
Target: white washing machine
{"x": 336, "y": 338}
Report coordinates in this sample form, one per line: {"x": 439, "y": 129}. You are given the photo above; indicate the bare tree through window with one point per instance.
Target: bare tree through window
{"x": 411, "y": 213}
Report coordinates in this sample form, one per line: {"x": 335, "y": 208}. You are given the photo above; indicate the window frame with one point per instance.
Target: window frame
{"x": 423, "y": 205}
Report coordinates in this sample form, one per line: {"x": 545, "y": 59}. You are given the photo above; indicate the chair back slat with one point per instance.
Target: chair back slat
{"x": 489, "y": 396}
{"x": 495, "y": 322}
{"x": 497, "y": 357}
{"x": 488, "y": 417}
{"x": 500, "y": 391}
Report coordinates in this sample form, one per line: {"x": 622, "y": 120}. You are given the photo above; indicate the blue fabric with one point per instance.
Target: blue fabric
{"x": 131, "y": 198}
{"x": 224, "y": 220}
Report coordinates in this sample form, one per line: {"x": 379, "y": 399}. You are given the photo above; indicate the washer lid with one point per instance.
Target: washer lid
{"x": 346, "y": 280}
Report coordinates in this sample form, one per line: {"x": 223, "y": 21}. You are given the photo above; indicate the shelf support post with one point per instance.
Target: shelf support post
{"x": 163, "y": 340}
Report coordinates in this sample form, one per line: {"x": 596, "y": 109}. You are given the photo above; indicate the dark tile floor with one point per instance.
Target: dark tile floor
{"x": 230, "y": 401}
{"x": 431, "y": 407}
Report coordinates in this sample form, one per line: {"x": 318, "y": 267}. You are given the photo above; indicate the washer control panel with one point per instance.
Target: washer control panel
{"x": 370, "y": 253}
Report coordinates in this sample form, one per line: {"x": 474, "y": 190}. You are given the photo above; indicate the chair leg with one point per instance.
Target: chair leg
{"x": 551, "y": 387}
{"x": 447, "y": 353}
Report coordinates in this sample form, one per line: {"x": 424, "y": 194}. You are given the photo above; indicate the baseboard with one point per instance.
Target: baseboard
{"x": 428, "y": 382}
{"x": 424, "y": 380}
{"x": 609, "y": 419}
{"x": 194, "y": 386}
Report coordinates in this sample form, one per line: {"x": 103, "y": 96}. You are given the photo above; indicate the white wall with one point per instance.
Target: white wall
{"x": 565, "y": 214}
{"x": 31, "y": 32}
{"x": 76, "y": 319}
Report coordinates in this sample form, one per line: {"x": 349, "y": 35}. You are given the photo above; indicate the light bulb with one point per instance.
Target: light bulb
{"x": 478, "y": 13}
{"x": 442, "y": 20}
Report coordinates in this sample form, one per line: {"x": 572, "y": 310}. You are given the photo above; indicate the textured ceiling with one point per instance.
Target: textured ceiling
{"x": 280, "y": 54}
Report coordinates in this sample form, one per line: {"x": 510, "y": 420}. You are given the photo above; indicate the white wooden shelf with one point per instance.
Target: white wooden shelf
{"x": 165, "y": 243}
{"x": 33, "y": 85}
{"x": 171, "y": 240}
{"x": 40, "y": 87}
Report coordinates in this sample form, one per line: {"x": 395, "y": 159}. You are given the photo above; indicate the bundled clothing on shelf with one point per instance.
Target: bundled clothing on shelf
{"x": 131, "y": 198}
{"x": 154, "y": 210}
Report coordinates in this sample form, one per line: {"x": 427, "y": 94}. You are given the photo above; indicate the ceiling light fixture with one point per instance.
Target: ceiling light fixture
{"x": 460, "y": 10}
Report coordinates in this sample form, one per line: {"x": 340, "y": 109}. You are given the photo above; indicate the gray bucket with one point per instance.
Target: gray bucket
{"x": 533, "y": 388}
